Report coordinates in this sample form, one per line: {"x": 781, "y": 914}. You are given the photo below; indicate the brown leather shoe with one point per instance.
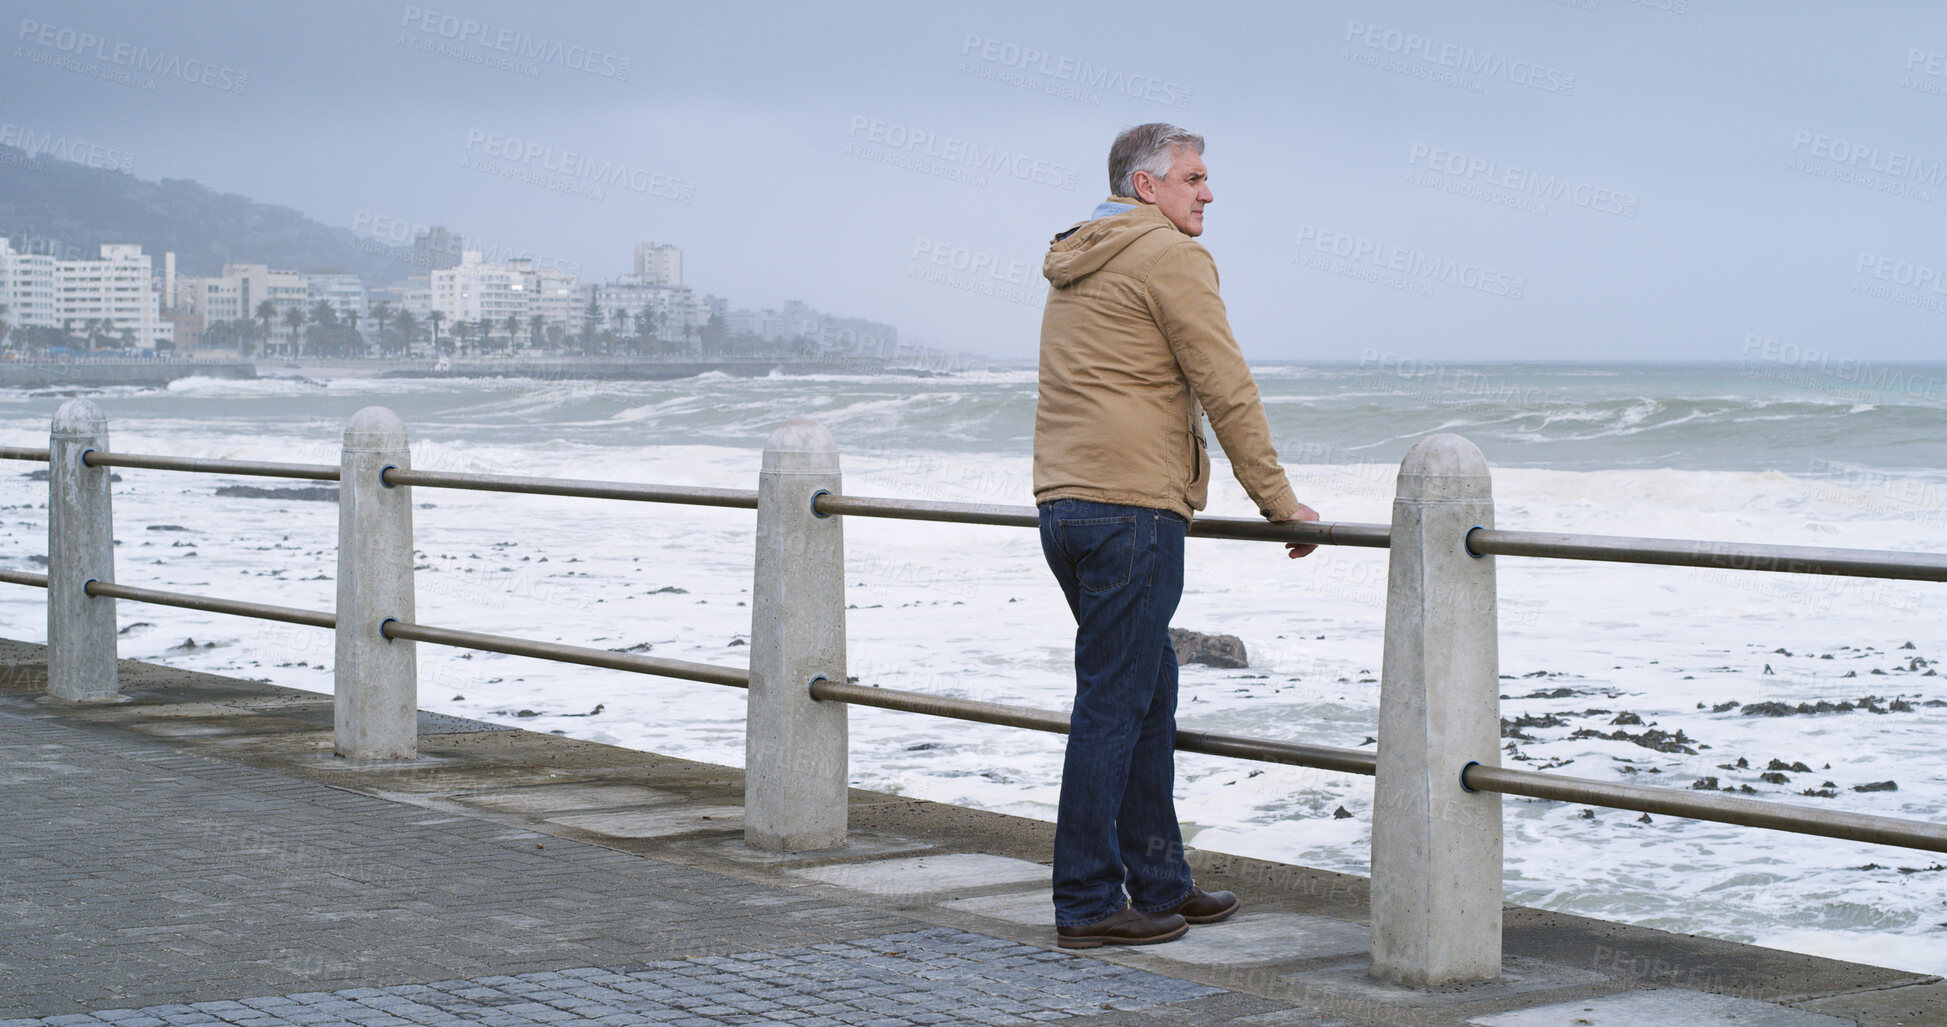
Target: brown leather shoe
{"x": 1204, "y": 907}
{"x": 1126, "y": 927}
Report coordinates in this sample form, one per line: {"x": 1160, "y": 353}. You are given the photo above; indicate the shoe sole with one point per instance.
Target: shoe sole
{"x": 1212, "y": 918}
{"x": 1095, "y": 943}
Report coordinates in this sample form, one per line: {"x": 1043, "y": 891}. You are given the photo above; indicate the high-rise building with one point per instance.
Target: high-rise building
{"x": 659, "y": 265}
{"x": 27, "y": 288}
{"x": 341, "y": 289}
{"x": 436, "y": 249}
{"x": 555, "y": 295}
{"x": 478, "y": 291}
{"x": 115, "y": 293}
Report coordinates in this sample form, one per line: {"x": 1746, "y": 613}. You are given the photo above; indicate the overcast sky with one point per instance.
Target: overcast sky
{"x": 1523, "y": 179}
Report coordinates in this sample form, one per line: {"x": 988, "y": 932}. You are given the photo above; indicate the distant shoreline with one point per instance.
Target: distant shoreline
{"x": 96, "y": 373}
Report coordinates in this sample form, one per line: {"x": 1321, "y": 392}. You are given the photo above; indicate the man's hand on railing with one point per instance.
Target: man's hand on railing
{"x": 1298, "y": 549}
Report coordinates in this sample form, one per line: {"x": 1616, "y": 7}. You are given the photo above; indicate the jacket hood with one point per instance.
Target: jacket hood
{"x": 1082, "y": 250}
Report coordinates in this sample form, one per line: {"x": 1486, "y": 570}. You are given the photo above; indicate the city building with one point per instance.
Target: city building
{"x": 659, "y": 265}
{"x": 476, "y": 291}
{"x": 555, "y": 295}
{"x": 27, "y": 288}
{"x": 436, "y": 249}
{"x": 113, "y": 295}
{"x": 342, "y": 290}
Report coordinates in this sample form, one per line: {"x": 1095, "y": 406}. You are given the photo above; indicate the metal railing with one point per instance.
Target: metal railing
{"x": 1440, "y": 663}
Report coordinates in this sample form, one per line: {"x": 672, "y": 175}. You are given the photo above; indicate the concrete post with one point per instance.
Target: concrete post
{"x": 376, "y": 707}
{"x": 795, "y": 746}
{"x": 80, "y": 547}
{"x": 1436, "y": 847}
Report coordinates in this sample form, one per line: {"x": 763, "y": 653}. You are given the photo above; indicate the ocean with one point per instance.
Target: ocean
{"x": 1798, "y": 451}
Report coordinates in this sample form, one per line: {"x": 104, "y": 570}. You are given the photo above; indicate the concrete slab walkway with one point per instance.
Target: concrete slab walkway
{"x": 197, "y": 856}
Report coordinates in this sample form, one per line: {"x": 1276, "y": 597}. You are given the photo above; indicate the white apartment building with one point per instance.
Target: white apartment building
{"x": 27, "y": 288}
{"x": 676, "y": 306}
{"x": 659, "y": 265}
{"x": 478, "y": 291}
{"x": 555, "y": 295}
{"x": 342, "y": 290}
{"x": 115, "y": 291}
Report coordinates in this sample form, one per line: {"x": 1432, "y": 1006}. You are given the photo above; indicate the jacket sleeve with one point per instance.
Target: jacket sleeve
{"x": 1183, "y": 294}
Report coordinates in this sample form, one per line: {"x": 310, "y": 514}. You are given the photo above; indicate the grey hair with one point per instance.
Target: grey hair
{"x": 1150, "y": 148}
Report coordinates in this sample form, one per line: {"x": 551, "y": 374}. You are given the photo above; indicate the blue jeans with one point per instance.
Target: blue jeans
{"x": 1121, "y": 568}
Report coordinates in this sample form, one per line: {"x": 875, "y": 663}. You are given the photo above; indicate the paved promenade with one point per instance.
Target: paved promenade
{"x": 197, "y": 856}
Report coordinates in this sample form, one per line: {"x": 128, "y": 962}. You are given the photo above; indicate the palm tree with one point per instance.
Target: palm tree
{"x": 382, "y": 313}
{"x": 4, "y": 326}
{"x": 513, "y": 324}
{"x": 591, "y": 322}
{"x": 294, "y": 320}
{"x": 406, "y": 326}
{"x": 265, "y": 312}
{"x": 536, "y": 324}
{"x": 434, "y": 318}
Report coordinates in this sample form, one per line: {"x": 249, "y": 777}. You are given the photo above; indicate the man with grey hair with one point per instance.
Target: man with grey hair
{"x": 1135, "y": 351}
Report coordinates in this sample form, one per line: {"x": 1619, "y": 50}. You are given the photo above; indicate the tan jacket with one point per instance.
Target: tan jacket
{"x": 1135, "y": 347}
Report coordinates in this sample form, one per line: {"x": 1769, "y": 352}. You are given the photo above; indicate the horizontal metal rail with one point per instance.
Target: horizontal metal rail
{"x": 315, "y": 472}
{"x": 28, "y": 578}
{"x": 745, "y": 498}
{"x": 1723, "y": 809}
{"x": 582, "y": 655}
{"x": 1327, "y": 533}
{"x": 1864, "y": 563}
{"x": 18, "y": 453}
{"x": 261, "y": 611}
{"x": 1350, "y": 761}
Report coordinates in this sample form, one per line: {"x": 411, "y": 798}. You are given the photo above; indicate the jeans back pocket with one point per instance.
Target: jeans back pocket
{"x": 1102, "y": 550}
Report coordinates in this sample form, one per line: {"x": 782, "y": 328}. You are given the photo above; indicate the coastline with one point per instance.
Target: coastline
{"x": 62, "y": 374}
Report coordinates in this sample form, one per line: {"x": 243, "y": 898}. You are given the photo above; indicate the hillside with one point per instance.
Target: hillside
{"x": 84, "y": 207}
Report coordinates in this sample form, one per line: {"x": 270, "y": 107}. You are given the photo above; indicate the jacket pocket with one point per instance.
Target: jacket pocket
{"x": 1199, "y": 462}
{"x": 1102, "y": 550}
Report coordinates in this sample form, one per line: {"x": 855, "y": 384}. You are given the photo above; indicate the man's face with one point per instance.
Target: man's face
{"x": 1181, "y": 194}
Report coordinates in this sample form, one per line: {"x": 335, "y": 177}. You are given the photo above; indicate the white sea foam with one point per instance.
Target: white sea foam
{"x": 969, "y": 611}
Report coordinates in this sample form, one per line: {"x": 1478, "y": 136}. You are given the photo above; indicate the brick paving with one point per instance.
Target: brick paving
{"x": 148, "y": 886}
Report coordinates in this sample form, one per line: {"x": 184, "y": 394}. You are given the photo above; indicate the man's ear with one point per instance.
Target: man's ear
{"x": 1141, "y": 179}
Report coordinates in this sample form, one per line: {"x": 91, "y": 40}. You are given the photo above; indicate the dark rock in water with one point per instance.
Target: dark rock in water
{"x": 1704, "y": 784}
{"x": 1626, "y": 717}
{"x": 1877, "y": 786}
{"x": 1654, "y": 738}
{"x": 639, "y": 647}
{"x": 1774, "y": 778}
{"x": 1724, "y": 707}
{"x": 167, "y": 527}
{"x": 1341, "y": 814}
{"x": 1645, "y": 819}
{"x": 670, "y": 590}
{"x": 1820, "y": 793}
{"x": 1225, "y": 651}
{"x": 1551, "y": 693}
{"x": 187, "y": 644}
{"x": 1513, "y": 728}
{"x": 1586, "y": 814}
{"x": 1909, "y": 645}
{"x": 312, "y": 493}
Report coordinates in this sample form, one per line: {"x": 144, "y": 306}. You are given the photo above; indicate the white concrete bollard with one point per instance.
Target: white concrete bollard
{"x": 80, "y": 547}
{"x": 1436, "y": 847}
{"x": 795, "y": 747}
{"x": 376, "y": 702}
